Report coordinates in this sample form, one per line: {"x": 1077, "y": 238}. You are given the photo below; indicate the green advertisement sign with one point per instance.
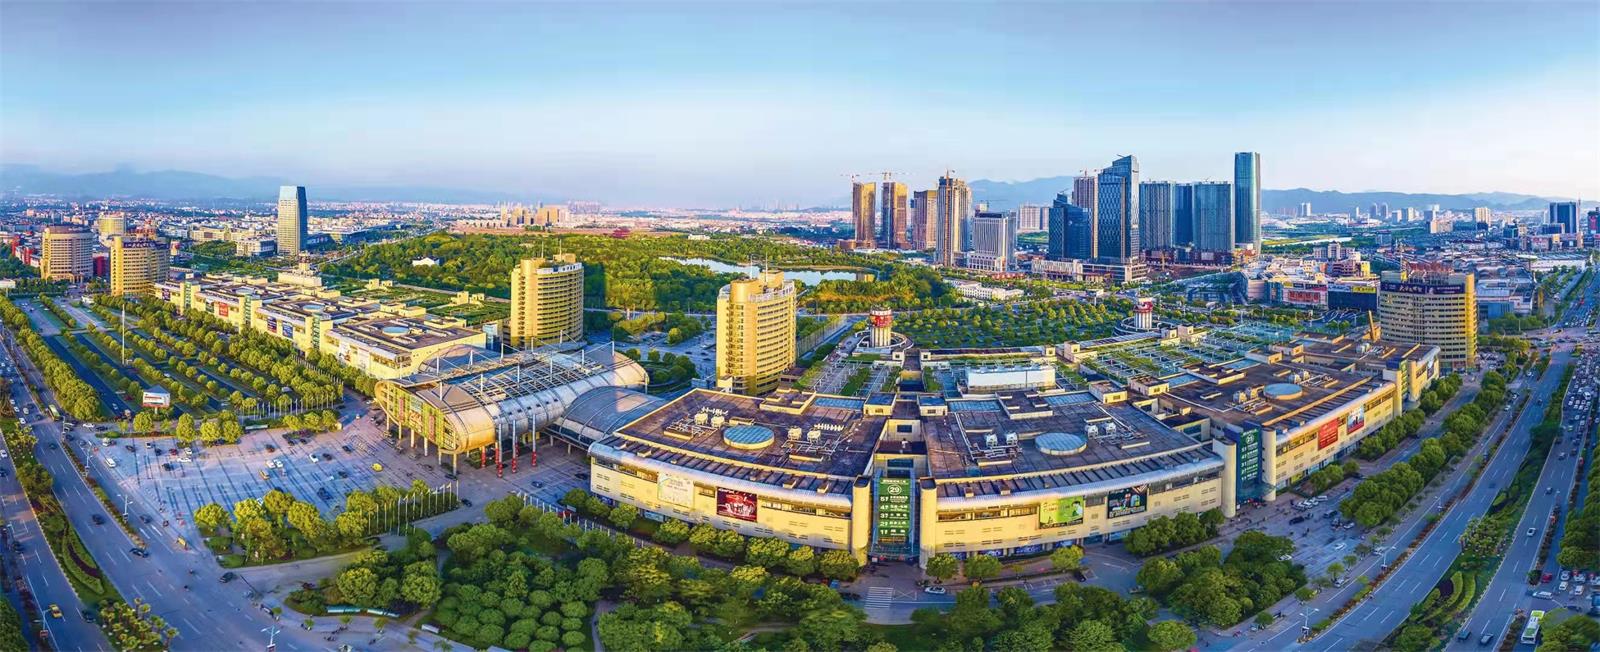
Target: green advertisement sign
{"x": 1061, "y": 512}
{"x": 894, "y": 509}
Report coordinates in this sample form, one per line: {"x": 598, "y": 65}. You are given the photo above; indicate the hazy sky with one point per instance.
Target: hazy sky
{"x": 705, "y": 104}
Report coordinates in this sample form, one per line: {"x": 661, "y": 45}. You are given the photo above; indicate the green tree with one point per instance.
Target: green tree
{"x": 358, "y": 586}
{"x": 671, "y": 533}
{"x": 942, "y": 566}
{"x": 623, "y": 515}
{"x": 421, "y": 589}
{"x": 1093, "y": 636}
{"x": 801, "y": 561}
{"x": 209, "y": 517}
{"x": 766, "y": 552}
{"x": 981, "y": 567}
{"x": 184, "y": 431}
{"x": 1170, "y": 635}
{"x": 1066, "y": 558}
{"x": 839, "y": 565}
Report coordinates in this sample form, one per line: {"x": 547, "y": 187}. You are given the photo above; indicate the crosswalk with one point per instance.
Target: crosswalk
{"x": 879, "y": 597}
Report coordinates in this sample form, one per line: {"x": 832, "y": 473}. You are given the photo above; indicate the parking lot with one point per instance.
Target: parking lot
{"x": 170, "y": 489}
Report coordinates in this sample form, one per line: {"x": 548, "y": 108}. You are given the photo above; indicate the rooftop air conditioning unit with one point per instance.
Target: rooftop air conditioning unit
{"x": 1011, "y": 439}
{"x": 990, "y": 440}
{"x": 701, "y": 417}
{"x": 717, "y": 420}
{"x": 1092, "y": 430}
{"x": 794, "y": 433}
{"x": 814, "y": 435}
{"x": 1111, "y": 429}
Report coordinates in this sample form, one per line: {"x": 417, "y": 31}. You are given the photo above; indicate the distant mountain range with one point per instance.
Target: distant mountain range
{"x": 1003, "y": 195}
{"x": 197, "y": 186}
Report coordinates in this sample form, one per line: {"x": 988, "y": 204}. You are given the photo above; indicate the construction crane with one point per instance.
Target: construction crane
{"x": 888, "y": 175}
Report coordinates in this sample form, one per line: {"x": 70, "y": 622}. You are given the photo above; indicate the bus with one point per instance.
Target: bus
{"x": 1530, "y": 634}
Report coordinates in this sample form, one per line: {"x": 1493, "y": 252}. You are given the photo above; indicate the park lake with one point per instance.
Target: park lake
{"x": 807, "y": 276}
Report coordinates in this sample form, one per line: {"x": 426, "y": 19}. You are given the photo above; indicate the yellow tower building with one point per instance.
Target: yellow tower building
{"x": 137, "y": 264}
{"x": 546, "y": 301}
{"x": 66, "y": 253}
{"x": 1429, "y": 304}
{"x": 755, "y": 333}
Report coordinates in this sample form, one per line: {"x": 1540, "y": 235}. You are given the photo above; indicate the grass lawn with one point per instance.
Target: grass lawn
{"x": 909, "y": 637}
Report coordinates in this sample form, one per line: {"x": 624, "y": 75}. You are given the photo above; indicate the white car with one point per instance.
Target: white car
{"x": 1562, "y": 587}
{"x": 1338, "y": 546}
{"x": 111, "y": 462}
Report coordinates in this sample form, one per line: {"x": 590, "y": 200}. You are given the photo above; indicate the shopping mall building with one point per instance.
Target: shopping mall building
{"x": 1161, "y": 424}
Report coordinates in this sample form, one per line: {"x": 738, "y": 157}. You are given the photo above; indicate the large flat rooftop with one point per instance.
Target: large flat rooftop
{"x": 1272, "y": 394}
{"x": 1029, "y": 441}
{"x": 757, "y": 438}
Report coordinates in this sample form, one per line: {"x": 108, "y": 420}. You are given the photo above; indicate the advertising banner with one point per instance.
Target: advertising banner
{"x": 1248, "y": 461}
{"x": 1127, "y": 502}
{"x": 894, "y": 509}
{"x": 1328, "y": 435}
{"x": 1061, "y": 512}
{"x": 1356, "y": 421}
{"x": 156, "y": 399}
{"x": 675, "y": 490}
{"x": 1422, "y": 288}
{"x": 736, "y": 504}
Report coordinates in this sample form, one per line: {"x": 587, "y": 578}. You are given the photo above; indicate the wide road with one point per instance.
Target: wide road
{"x": 37, "y": 566}
{"x": 209, "y": 615}
{"x": 1389, "y": 604}
{"x": 1509, "y": 590}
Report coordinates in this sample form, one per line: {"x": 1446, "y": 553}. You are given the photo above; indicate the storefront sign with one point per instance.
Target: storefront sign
{"x": 894, "y": 509}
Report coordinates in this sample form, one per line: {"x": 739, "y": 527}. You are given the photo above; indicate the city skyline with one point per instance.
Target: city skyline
{"x": 676, "y": 110}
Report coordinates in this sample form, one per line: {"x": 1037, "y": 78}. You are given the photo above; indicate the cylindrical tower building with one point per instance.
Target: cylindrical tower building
{"x": 881, "y": 320}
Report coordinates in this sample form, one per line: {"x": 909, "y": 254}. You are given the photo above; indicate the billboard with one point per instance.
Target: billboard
{"x": 676, "y": 490}
{"x": 1127, "y": 502}
{"x": 1422, "y": 288}
{"x": 894, "y": 508}
{"x": 736, "y": 504}
{"x": 1061, "y": 512}
{"x": 1328, "y": 435}
{"x": 155, "y": 398}
{"x": 1356, "y": 421}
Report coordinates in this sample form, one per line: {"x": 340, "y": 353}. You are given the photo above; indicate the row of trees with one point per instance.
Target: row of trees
{"x": 1164, "y": 533}
{"x": 1580, "y": 548}
{"x": 1380, "y": 497}
{"x": 1200, "y": 586}
{"x": 1014, "y": 325}
{"x": 280, "y": 526}
{"x": 766, "y": 553}
{"x": 75, "y": 396}
{"x": 1082, "y": 618}
{"x": 224, "y": 428}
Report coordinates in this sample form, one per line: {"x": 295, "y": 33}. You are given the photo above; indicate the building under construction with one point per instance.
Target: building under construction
{"x": 492, "y": 404}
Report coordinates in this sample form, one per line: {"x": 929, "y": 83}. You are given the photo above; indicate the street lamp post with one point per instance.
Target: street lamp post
{"x": 1306, "y": 625}
{"x": 272, "y": 637}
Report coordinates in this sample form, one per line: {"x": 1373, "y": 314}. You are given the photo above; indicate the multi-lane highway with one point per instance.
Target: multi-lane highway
{"x": 40, "y": 574}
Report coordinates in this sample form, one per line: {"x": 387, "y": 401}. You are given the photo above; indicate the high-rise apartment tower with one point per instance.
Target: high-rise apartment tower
{"x": 546, "y": 301}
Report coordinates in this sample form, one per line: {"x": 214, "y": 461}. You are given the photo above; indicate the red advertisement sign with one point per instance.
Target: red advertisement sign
{"x": 736, "y": 504}
{"x": 1328, "y": 435}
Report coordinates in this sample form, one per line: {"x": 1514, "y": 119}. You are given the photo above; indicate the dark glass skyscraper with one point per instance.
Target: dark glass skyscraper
{"x": 1183, "y": 214}
{"x": 1072, "y": 231}
{"x": 1213, "y": 216}
{"x": 1564, "y": 213}
{"x": 1247, "y": 198}
{"x": 1156, "y": 227}
{"x": 1118, "y": 213}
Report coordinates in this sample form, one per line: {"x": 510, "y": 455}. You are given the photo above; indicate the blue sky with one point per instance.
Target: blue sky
{"x": 766, "y": 103}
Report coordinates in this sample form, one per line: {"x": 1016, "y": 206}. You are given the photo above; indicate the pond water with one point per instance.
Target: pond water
{"x": 807, "y": 276}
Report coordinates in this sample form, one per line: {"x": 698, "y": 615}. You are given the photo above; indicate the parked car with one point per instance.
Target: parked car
{"x": 1566, "y": 575}
{"x": 227, "y": 577}
{"x": 1464, "y": 634}
{"x": 936, "y": 590}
